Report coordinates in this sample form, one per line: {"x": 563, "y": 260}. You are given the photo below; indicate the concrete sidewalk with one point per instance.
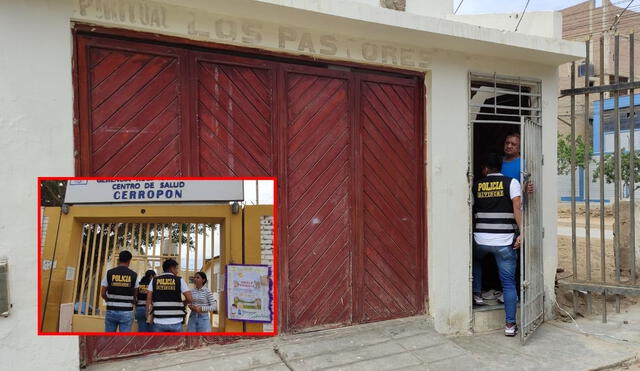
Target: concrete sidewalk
{"x": 413, "y": 344}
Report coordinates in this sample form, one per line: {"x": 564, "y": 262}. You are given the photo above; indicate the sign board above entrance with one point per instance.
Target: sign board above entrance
{"x": 118, "y": 191}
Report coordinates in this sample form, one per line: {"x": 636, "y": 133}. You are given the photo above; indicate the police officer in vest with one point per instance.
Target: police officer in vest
{"x": 141, "y": 304}
{"x": 497, "y": 218}
{"x": 119, "y": 289}
{"x": 166, "y": 292}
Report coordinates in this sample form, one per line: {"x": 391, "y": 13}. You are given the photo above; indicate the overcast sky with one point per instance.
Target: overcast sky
{"x": 511, "y": 6}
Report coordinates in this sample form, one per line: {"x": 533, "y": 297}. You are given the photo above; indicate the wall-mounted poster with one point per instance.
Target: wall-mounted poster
{"x": 249, "y": 293}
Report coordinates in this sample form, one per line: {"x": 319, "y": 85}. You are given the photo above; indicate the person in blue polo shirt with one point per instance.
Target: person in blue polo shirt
{"x": 511, "y": 161}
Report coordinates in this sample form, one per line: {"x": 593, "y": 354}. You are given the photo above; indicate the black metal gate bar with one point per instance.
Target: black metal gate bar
{"x": 574, "y": 250}
{"x": 620, "y": 286}
{"x": 632, "y": 173}
{"x": 587, "y": 214}
{"x": 603, "y": 271}
{"x": 616, "y": 148}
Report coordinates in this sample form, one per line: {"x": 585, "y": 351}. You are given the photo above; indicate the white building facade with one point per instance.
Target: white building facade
{"x": 41, "y": 116}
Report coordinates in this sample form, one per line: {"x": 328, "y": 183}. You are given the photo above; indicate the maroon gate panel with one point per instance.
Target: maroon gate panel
{"x": 391, "y": 199}
{"x": 131, "y": 105}
{"x": 100, "y": 348}
{"x": 346, "y": 146}
{"x": 234, "y": 116}
{"x": 319, "y": 198}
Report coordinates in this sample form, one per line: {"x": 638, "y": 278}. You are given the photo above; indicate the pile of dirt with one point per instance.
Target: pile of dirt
{"x": 564, "y": 209}
{"x": 565, "y": 266}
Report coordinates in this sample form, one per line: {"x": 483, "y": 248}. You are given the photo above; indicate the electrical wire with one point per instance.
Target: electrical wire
{"x": 574, "y": 21}
{"x": 620, "y": 16}
{"x": 577, "y": 23}
{"x": 459, "y": 5}
{"x": 583, "y": 331}
{"x": 586, "y": 13}
{"x": 522, "y": 15}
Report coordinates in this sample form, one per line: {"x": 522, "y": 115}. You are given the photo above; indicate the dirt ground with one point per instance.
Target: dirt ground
{"x": 565, "y": 265}
{"x": 634, "y": 366}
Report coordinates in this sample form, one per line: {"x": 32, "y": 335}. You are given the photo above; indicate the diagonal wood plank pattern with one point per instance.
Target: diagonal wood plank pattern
{"x": 110, "y": 347}
{"x": 391, "y": 207}
{"x": 345, "y": 144}
{"x": 134, "y": 113}
{"x": 319, "y": 177}
{"x": 234, "y": 120}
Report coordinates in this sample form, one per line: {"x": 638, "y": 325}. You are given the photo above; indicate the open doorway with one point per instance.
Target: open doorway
{"x": 497, "y": 108}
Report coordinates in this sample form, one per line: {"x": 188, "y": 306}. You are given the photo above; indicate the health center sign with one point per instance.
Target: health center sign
{"x": 120, "y": 191}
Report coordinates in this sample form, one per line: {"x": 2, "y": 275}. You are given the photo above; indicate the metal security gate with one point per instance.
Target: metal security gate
{"x": 84, "y": 243}
{"x": 531, "y": 263}
{"x": 614, "y": 160}
{"x": 346, "y": 145}
{"x": 192, "y": 245}
{"x": 501, "y": 106}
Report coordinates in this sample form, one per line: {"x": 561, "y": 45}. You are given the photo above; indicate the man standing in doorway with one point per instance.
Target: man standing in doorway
{"x": 496, "y": 212}
{"x": 119, "y": 288}
{"x": 165, "y": 294}
{"x": 511, "y": 162}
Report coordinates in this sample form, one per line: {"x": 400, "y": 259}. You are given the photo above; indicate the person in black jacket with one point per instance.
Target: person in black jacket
{"x": 164, "y": 298}
{"x": 497, "y": 218}
{"x": 141, "y": 312}
{"x": 119, "y": 289}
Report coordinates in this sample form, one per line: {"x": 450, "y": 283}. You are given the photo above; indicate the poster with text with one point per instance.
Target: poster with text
{"x": 249, "y": 293}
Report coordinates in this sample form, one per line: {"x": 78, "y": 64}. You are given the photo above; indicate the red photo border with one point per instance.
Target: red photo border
{"x": 275, "y": 261}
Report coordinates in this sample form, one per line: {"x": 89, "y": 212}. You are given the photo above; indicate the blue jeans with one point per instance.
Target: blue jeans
{"x": 174, "y": 327}
{"x": 199, "y": 322}
{"x": 506, "y": 259}
{"x": 118, "y": 318}
{"x": 141, "y": 317}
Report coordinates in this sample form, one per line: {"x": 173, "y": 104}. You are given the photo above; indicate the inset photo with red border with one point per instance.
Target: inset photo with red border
{"x": 157, "y": 256}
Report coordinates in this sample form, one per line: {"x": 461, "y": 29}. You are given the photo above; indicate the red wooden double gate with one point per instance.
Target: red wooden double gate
{"x": 346, "y": 146}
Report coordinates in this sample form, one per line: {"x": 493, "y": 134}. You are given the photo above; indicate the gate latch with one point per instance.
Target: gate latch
{"x": 5, "y": 303}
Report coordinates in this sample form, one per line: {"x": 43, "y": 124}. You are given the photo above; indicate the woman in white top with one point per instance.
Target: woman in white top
{"x": 201, "y": 304}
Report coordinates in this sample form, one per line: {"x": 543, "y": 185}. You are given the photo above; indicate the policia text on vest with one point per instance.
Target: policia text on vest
{"x": 493, "y": 205}
{"x": 490, "y": 189}
{"x": 119, "y": 289}
{"x": 164, "y": 299}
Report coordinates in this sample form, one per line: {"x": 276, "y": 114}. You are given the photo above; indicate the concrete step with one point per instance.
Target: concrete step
{"x": 489, "y": 318}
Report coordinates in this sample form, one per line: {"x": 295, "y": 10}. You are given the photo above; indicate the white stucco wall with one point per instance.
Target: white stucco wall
{"x": 433, "y": 8}
{"x": 36, "y": 115}
{"x": 448, "y": 153}
{"x": 36, "y": 107}
{"x": 545, "y": 24}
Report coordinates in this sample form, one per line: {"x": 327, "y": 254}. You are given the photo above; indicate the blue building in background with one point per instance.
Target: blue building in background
{"x": 609, "y": 124}
{"x": 624, "y": 112}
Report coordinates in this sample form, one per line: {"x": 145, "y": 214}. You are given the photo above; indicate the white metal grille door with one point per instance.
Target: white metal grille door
{"x": 531, "y": 267}
{"x": 194, "y": 246}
